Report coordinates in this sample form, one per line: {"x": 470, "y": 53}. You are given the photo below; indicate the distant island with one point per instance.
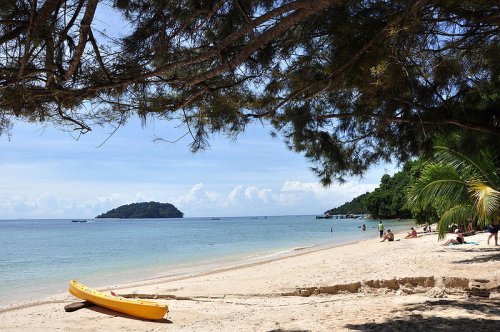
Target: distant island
{"x": 143, "y": 210}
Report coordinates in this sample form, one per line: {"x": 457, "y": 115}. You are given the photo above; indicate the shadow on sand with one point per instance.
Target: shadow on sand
{"x": 492, "y": 255}
{"x": 284, "y": 330}
{"x": 417, "y": 322}
{"x": 119, "y": 314}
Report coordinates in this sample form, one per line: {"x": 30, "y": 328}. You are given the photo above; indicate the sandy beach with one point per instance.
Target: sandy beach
{"x": 408, "y": 284}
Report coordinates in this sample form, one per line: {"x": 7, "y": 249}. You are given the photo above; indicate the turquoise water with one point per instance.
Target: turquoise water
{"x": 39, "y": 257}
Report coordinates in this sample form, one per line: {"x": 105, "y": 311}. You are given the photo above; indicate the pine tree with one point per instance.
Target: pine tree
{"x": 346, "y": 83}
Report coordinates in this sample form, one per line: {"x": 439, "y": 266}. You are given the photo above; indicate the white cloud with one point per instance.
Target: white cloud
{"x": 140, "y": 197}
{"x": 234, "y": 195}
{"x": 265, "y": 194}
{"x": 51, "y": 205}
{"x": 347, "y": 189}
{"x": 292, "y": 197}
{"x": 197, "y": 196}
{"x": 297, "y": 186}
{"x": 252, "y": 192}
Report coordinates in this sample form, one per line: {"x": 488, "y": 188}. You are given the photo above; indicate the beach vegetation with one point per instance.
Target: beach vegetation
{"x": 460, "y": 188}
{"x": 355, "y": 206}
{"x": 388, "y": 200}
{"x": 347, "y": 84}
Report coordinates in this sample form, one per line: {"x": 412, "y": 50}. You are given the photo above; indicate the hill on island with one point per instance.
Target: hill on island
{"x": 356, "y": 206}
{"x": 388, "y": 200}
{"x": 143, "y": 210}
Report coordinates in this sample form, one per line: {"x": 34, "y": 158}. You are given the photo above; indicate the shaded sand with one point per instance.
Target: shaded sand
{"x": 411, "y": 284}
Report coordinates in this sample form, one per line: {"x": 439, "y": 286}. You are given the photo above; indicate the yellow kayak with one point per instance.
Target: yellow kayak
{"x": 132, "y": 307}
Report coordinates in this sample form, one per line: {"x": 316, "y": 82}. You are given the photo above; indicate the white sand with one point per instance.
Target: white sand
{"x": 411, "y": 284}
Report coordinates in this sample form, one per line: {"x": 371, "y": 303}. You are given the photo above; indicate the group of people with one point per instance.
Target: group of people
{"x": 459, "y": 236}
{"x": 427, "y": 228}
{"x": 389, "y": 235}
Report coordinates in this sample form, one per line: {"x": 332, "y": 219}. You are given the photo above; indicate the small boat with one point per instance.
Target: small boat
{"x": 79, "y": 220}
{"x": 133, "y": 307}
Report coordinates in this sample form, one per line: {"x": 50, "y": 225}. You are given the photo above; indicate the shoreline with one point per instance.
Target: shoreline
{"x": 199, "y": 269}
{"x": 174, "y": 249}
{"x": 147, "y": 275}
{"x": 343, "y": 287}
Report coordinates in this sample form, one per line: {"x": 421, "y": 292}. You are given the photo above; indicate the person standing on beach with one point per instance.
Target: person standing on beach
{"x": 381, "y": 229}
{"x": 493, "y": 230}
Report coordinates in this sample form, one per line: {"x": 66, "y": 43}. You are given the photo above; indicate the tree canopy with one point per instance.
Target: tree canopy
{"x": 346, "y": 83}
{"x": 389, "y": 199}
{"x": 355, "y": 206}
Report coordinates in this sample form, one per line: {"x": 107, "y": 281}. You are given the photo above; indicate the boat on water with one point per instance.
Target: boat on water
{"x": 133, "y": 307}
{"x": 79, "y": 220}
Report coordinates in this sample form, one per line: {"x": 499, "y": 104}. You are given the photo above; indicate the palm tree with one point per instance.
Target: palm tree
{"x": 459, "y": 187}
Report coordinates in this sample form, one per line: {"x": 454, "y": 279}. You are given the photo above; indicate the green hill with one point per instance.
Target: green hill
{"x": 356, "y": 206}
{"x": 143, "y": 211}
{"x": 386, "y": 201}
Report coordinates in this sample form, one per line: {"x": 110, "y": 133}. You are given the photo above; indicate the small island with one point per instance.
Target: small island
{"x": 143, "y": 210}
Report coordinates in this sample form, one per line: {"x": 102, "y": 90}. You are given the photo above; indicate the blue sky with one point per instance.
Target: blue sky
{"x": 46, "y": 173}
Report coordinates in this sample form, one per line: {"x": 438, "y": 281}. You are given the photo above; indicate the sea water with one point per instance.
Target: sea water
{"x": 39, "y": 257}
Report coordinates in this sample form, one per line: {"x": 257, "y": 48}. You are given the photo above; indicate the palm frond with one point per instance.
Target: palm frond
{"x": 437, "y": 181}
{"x": 486, "y": 200}
{"x": 457, "y": 215}
{"x": 458, "y": 187}
{"x": 480, "y": 167}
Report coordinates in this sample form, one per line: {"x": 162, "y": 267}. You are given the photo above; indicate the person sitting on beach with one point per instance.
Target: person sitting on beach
{"x": 411, "y": 234}
{"x": 459, "y": 240}
{"x": 470, "y": 226}
{"x": 389, "y": 236}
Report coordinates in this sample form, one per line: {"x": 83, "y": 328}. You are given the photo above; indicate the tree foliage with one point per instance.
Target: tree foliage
{"x": 459, "y": 187}
{"x": 356, "y": 206}
{"x": 347, "y": 83}
{"x": 389, "y": 200}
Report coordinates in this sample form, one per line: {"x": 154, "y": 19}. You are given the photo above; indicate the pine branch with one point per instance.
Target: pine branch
{"x": 84, "y": 32}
